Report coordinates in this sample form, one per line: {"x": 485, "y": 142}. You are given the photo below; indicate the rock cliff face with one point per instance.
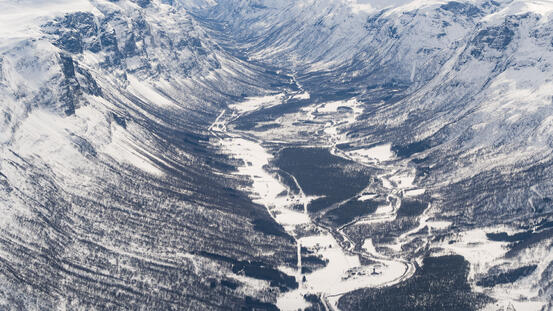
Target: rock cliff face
{"x": 115, "y": 192}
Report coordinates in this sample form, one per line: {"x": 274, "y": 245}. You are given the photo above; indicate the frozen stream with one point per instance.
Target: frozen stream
{"x": 344, "y": 271}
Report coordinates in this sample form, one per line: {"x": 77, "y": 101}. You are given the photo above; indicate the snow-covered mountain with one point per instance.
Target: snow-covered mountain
{"x": 123, "y": 184}
{"x": 461, "y": 88}
{"x": 111, "y": 197}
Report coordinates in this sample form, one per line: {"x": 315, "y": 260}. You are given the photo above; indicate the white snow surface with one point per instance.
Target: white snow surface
{"x": 344, "y": 272}
{"x": 147, "y": 92}
{"x": 519, "y": 95}
{"x": 22, "y": 18}
{"x": 379, "y": 153}
{"x": 127, "y": 149}
{"x": 255, "y": 103}
{"x": 483, "y": 254}
{"x": 337, "y": 277}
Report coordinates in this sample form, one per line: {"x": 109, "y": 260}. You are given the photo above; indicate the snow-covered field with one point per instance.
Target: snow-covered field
{"x": 255, "y": 103}
{"x": 379, "y": 153}
{"x": 483, "y": 254}
{"x": 344, "y": 271}
{"x": 87, "y": 97}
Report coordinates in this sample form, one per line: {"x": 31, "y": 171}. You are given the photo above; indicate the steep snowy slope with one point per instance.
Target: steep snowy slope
{"x": 462, "y": 89}
{"x": 134, "y": 136}
{"x": 397, "y": 45}
{"x": 488, "y": 106}
{"x": 111, "y": 196}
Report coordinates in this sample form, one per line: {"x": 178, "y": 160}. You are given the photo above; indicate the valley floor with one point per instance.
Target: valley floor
{"x": 344, "y": 265}
{"x": 343, "y": 271}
